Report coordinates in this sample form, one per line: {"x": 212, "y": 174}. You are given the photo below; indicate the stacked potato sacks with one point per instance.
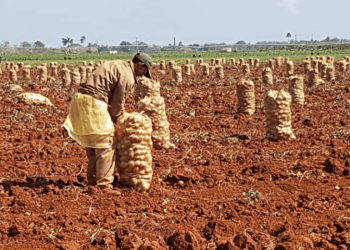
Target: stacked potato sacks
{"x": 187, "y": 70}
{"x": 26, "y": 72}
{"x": 223, "y": 61}
{"x": 278, "y": 62}
{"x": 134, "y": 144}
{"x": 154, "y": 107}
{"x": 290, "y": 68}
{"x": 75, "y": 77}
{"x": 43, "y": 73}
{"x": 219, "y": 72}
{"x": 7, "y": 66}
{"x": 65, "y": 74}
{"x": 89, "y": 70}
{"x": 342, "y": 66}
{"x": 313, "y": 79}
{"x": 296, "y": 89}
{"x": 272, "y": 64}
{"x": 241, "y": 61}
{"x": 192, "y": 69}
{"x": 13, "y": 75}
{"x": 205, "y": 69}
{"x": 84, "y": 63}
{"x": 330, "y": 75}
{"x": 188, "y": 61}
{"x": 323, "y": 70}
{"x": 172, "y": 65}
{"x": 101, "y": 62}
{"x": 146, "y": 87}
{"x": 20, "y": 65}
{"x": 307, "y": 66}
{"x": 212, "y": 61}
{"x": 251, "y": 62}
{"x": 82, "y": 71}
{"x": 162, "y": 65}
{"x": 233, "y": 61}
{"x": 267, "y": 76}
{"x": 245, "y": 97}
{"x": 246, "y": 69}
{"x": 218, "y": 62}
{"x": 177, "y": 75}
{"x": 278, "y": 116}
{"x": 91, "y": 64}
{"x": 257, "y": 63}
{"x": 200, "y": 61}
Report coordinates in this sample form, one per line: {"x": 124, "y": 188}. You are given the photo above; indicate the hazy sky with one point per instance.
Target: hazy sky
{"x": 159, "y": 21}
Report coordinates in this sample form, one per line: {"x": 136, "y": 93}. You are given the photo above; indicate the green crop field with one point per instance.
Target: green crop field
{"x": 179, "y": 57}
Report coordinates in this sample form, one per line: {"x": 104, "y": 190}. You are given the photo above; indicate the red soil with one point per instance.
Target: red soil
{"x": 224, "y": 187}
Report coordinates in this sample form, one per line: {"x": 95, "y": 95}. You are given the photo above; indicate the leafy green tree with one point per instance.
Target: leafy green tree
{"x": 289, "y": 35}
{"x": 39, "y": 44}
{"x": 25, "y": 44}
{"x": 82, "y": 39}
{"x": 241, "y": 42}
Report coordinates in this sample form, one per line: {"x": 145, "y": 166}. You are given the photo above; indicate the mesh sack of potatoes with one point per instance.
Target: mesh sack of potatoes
{"x": 272, "y": 64}
{"x": 290, "y": 68}
{"x": 223, "y": 61}
{"x": 314, "y": 64}
{"x": 134, "y": 144}
{"x": 313, "y": 79}
{"x": 212, "y": 61}
{"x": 154, "y": 108}
{"x": 330, "y": 73}
{"x": 172, "y": 65}
{"x": 43, "y": 74}
{"x": 89, "y": 70}
{"x": 187, "y": 70}
{"x": 162, "y": 65}
{"x": 20, "y": 65}
{"x": 251, "y": 62}
{"x": 192, "y": 69}
{"x": 75, "y": 77}
{"x": 219, "y": 72}
{"x": 177, "y": 75}
{"x": 15, "y": 67}
{"x": 245, "y": 97}
{"x": 278, "y": 117}
{"x": 241, "y": 61}
{"x": 13, "y": 75}
{"x": 342, "y": 66}
{"x": 296, "y": 89}
{"x": 205, "y": 69}
{"x": 233, "y": 61}
{"x": 278, "y": 62}
{"x": 246, "y": 69}
{"x": 26, "y": 73}
{"x": 267, "y": 76}
{"x": 91, "y": 63}
{"x": 218, "y": 62}
{"x": 188, "y": 61}
{"x": 0, "y": 67}
{"x": 7, "y": 66}
{"x": 323, "y": 70}
{"x": 287, "y": 60}
{"x": 257, "y": 62}
{"x": 307, "y": 66}
{"x": 200, "y": 61}
{"x": 65, "y": 74}
{"x": 54, "y": 70}
{"x": 146, "y": 87}
{"x": 82, "y": 71}
{"x": 34, "y": 98}
{"x": 84, "y": 63}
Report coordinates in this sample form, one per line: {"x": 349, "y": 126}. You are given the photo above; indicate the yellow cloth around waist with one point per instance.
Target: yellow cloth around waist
{"x": 89, "y": 122}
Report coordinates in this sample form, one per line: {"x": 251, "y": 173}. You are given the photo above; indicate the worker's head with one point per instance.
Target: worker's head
{"x": 143, "y": 64}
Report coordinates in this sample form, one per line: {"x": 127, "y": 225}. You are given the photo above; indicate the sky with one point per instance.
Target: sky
{"x": 109, "y": 22}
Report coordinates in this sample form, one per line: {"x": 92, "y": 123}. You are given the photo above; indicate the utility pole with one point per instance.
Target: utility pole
{"x": 174, "y": 45}
{"x": 137, "y": 45}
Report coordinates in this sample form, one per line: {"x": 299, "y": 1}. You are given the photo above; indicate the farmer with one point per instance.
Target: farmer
{"x": 95, "y": 109}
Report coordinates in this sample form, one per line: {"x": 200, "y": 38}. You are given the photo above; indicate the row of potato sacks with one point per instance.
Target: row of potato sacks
{"x": 137, "y": 133}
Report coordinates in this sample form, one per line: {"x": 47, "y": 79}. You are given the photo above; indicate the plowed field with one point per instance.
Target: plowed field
{"x": 224, "y": 187}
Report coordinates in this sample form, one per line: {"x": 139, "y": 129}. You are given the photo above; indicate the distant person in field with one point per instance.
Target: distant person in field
{"x": 95, "y": 109}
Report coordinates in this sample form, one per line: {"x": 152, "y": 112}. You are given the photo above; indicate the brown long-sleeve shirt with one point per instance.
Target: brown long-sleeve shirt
{"x": 112, "y": 83}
